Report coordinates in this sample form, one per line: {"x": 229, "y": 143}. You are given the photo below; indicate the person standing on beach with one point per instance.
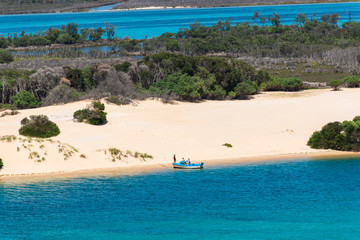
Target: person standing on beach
{"x": 174, "y": 158}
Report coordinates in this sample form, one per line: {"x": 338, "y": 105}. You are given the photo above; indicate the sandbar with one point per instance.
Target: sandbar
{"x": 271, "y": 126}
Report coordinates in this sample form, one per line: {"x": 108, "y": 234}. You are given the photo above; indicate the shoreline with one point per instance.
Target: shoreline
{"x": 270, "y": 127}
{"x": 120, "y": 3}
{"x": 144, "y": 169}
{"x": 230, "y": 5}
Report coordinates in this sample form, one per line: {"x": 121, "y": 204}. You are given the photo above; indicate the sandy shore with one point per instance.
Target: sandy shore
{"x": 274, "y": 125}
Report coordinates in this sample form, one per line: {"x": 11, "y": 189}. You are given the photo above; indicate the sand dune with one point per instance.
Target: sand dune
{"x": 270, "y": 126}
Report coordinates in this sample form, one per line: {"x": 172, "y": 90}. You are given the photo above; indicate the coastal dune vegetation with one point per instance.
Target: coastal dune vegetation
{"x": 343, "y": 136}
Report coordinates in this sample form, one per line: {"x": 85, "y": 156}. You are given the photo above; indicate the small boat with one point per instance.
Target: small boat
{"x": 184, "y": 165}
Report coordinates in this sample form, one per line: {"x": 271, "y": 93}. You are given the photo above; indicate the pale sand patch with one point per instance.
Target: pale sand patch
{"x": 270, "y": 126}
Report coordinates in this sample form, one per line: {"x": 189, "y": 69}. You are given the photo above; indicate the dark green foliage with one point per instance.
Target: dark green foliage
{"x": 335, "y": 84}
{"x": 227, "y": 145}
{"x": 39, "y": 41}
{"x": 200, "y": 77}
{"x": 352, "y": 81}
{"x": 52, "y": 34}
{"x": 38, "y": 126}
{"x": 124, "y": 67}
{"x": 1, "y": 164}
{"x": 76, "y": 77}
{"x": 22, "y": 41}
{"x": 24, "y": 100}
{"x": 65, "y": 38}
{"x": 6, "y": 56}
{"x": 3, "y": 42}
{"x": 93, "y": 115}
{"x": 343, "y": 136}
{"x": 282, "y": 84}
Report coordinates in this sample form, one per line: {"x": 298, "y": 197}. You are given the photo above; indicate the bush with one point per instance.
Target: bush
{"x": 93, "y": 115}
{"x": 282, "y": 84}
{"x": 3, "y": 42}
{"x": 61, "y": 94}
{"x": 335, "y": 84}
{"x": 6, "y": 56}
{"x": 352, "y": 81}
{"x": 1, "y": 164}
{"x": 39, "y": 41}
{"x": 24, "y": 99}
{"x": 244, "y": 89}
{"x": 118, "y": 100}
{"x": 65, "y": 38}
{"x": 124, "y": 67}
{"x": 38, "y": 126}
{"x": 343, "y": 136}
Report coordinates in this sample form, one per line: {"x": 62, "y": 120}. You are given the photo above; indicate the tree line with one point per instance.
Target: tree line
{"x": 66, "y": 34}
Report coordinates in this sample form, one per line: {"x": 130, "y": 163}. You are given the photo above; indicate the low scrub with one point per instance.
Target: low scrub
{"x": 24, "y": 99}
{"x": 38, "y": 126}
{"x": 6, "y": 56}
{"x": 335, "y": 84}
{"x": 93, "y": 115}
{"x": 117, "y": 100}
{"x": 1, "y": 164}
{"x": 343, "y": 136}
{"x": 282, "y": 84}
{"x": 352, "y": 81}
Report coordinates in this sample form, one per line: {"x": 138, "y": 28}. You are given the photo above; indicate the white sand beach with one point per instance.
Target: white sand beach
{"x": 273, "y": 125}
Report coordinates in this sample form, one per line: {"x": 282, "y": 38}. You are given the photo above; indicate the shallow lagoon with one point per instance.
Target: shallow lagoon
{"x": 301, "y": 199}
{"x": 154, "y": 22}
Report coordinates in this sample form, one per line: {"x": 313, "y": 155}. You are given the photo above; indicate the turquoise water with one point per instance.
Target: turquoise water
{"x": 281, "y": 200}
{"x": 138, "y": 23}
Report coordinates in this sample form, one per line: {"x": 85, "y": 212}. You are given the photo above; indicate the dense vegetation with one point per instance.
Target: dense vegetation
{"x": 307, "y": 38}
{"x": 38, "y": 126}
{"x": 93, "y": 115}
{"x": 343, "y": 136}
{"x": 200, "y": 77}
{"x": 67, "y": 34}
{"x": 1, "y": 164}
{"x": 24, "y": 100}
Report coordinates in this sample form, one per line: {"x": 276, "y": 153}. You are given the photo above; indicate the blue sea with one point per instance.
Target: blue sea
{"x": 140, "y": 23}
{"x": 302, "y": 199}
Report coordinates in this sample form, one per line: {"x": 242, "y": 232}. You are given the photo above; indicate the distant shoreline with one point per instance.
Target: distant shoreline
{"x": 162, "y": 4}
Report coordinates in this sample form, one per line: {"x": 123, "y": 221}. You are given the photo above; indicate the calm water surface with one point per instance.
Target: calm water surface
{"x": 138, "y": 23}
{"x": 282, "y": 200}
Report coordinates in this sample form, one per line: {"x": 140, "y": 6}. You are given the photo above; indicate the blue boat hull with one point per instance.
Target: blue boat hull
{"x": 182, "y": 165}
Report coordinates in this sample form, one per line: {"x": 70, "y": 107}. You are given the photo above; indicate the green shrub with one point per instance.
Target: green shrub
{"x": 335, "y": 84}
{"x": 1, "y": 164}
{"x": 227, "y": 145}
{"x": 124, "y": 67}
{"x": 343, "y": 136}
{"x": 93, "y": 115}
{"x": 24, "y": 99}
{"x": 6, "y": 56}
{"x": 39, "y": 41}
{"x": 3, "y": 42}
{"x": 291, "y": 84}
{"x": 38, "y": 126}
{"x": 244, "y": 89}
{"x": 282, "y": 84}
{"x": 65, "y": 38}
{"x": 352, "y": 81}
